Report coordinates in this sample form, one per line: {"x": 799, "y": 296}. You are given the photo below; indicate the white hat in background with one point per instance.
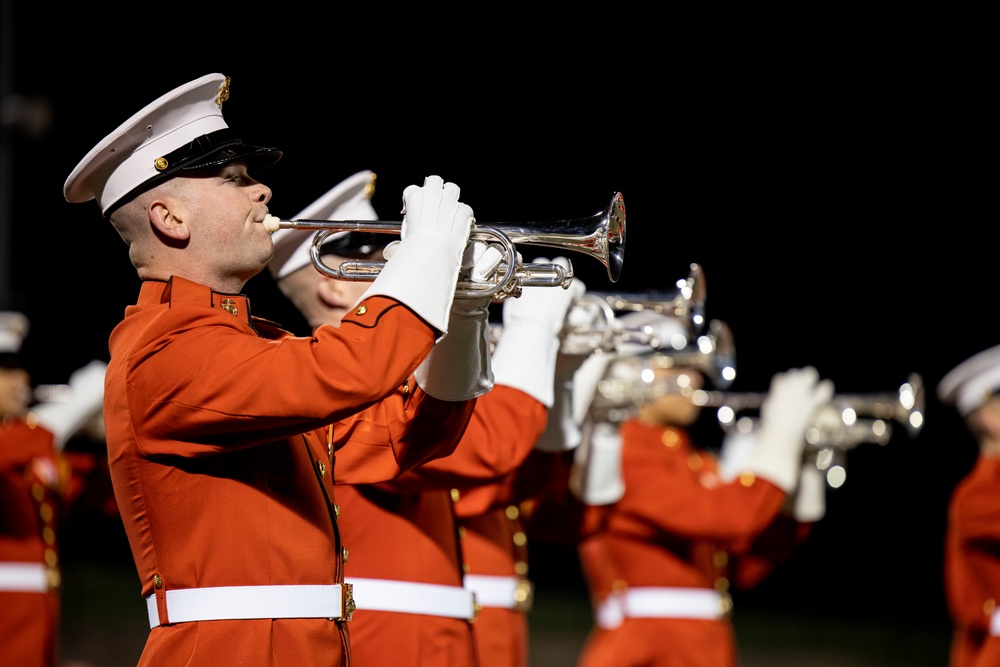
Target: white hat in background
{"x": 13, "y": 330}
{"x": 348, "y": 200}
{"x": 179, "y": 132}
{"x": 972, "y": 382}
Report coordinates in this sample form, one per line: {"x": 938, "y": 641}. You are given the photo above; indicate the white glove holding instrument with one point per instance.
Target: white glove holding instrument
{"x": 785, "y": 414}
{"x": 423, "y": 269}
{"x": 458, "y": 367}
{"x": 525, "y": 355}
{"x": 809, "y": 501}
{"x": 86, "y": 400}
{"x": 562, "y": 428}
{"x": 596, "y": 474}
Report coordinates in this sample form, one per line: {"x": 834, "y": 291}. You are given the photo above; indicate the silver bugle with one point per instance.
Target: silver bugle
{"x": 601, "y": 236}
{"x": 592, "y": 324}
{"x": 906, "y": 407}
{"x": 687, "y": 303}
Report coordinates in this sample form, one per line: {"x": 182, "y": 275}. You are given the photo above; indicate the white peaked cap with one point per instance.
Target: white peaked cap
{"x": 13, "y": 330}
{"x": 348, "y": 200}
{"x": 972, "y": 382}
{"x": 181, "y": 131}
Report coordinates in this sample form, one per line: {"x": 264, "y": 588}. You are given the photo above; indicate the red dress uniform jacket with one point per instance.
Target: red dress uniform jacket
{"x": 972, "y": 564}
{"x": 221, "y": 473}
{"x": 406, "y": 531}
{"x": 495, "y": 546}
{"x": 31, "y": 482}
{"x": 678, "y": 525}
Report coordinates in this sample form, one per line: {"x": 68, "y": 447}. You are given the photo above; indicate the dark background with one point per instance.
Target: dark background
{"x": 827, "y": 178}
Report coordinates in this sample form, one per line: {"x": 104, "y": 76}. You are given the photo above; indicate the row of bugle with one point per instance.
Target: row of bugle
{"x": 596, "y": 328}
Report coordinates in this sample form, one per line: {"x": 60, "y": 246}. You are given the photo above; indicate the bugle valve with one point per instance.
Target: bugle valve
{"x": 601, "y": 236}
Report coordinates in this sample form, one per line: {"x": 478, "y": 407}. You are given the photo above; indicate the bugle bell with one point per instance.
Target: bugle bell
{"x": 593, "y": 323}
{"x": 686, "y": 304}
{"x": 601, "y": 236}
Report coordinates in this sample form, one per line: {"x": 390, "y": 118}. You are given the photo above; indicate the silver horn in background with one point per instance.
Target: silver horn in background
{"x": 633, "y": 382}
{"x": 601, "y": 236}
{"x": 847, "y": 421}
{"x": 593, "y": 322}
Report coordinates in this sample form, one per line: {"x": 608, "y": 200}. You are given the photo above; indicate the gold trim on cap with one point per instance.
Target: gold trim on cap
{"x": 223, "y": 93}
{"x": 160, "y": 164}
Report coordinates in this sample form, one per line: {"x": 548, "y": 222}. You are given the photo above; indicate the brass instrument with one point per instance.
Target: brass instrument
{"x": 633, "y": 381}
{"x": 601, "y": 236}
{"x": 845, "y": 422}
{"x": 687, "y": 303}
{"x": 593, "y": 324}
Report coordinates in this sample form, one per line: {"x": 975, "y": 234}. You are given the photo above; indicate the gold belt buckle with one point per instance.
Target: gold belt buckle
{"x": 524, "y": 596}
{"x": 347, "y": 601}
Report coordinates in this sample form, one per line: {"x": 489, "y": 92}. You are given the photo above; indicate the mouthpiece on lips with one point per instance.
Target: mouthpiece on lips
{"x": 271, "y": 223}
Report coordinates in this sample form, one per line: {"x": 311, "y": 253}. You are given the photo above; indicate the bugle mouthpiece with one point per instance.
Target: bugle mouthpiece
{"x": 272, "y": 223}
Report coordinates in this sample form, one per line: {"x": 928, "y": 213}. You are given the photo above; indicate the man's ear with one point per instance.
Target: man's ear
{"x": 165, "y": 219}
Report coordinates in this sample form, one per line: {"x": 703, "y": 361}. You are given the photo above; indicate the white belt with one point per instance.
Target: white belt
{"x": 502, "y": 592}
{"x": 409, "y": 597}
{"x": 995, "y": 623}
{"x": 331, "y": 601}
{"x": 24, "y": 577}
{"x": 659, "y": 602}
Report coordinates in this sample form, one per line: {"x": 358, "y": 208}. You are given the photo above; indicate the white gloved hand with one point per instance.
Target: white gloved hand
{"x": 86, "y": 400}
{"x": 736, "y": 450}
{"x": 562, "y": 428}
{"x": 422, "y": 270}
{"x": 459, "y": 368}
{"x": 525, "y": 355}
{"x": 586, "y": 379}
{"x": 596, "y": 474}
{"x": 785, "y": 414}
{"x": 809, "y": 501}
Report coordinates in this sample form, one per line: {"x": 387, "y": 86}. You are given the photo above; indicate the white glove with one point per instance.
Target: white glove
{"x": 809, "y": 502}
{"x": 525, "y": 355}
{"x": 562, "y": 428}
{"x": 736, "y": 450}
{"x": 596, "y": 474}
{"x": 585, "y": 382}
{"x": 86, "y": 399}
{"x": 422, "y": 271}
{"x": 785, "y": 414}
{"x": 458, "y": 367}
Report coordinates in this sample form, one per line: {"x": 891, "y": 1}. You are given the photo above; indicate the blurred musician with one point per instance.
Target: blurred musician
{"x": 665, "y": 527}
{"x": 972, "y": 543}
{"x": 34, "y": 491}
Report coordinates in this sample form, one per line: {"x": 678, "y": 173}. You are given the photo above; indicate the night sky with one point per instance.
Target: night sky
{"x": 824, "y": 188}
